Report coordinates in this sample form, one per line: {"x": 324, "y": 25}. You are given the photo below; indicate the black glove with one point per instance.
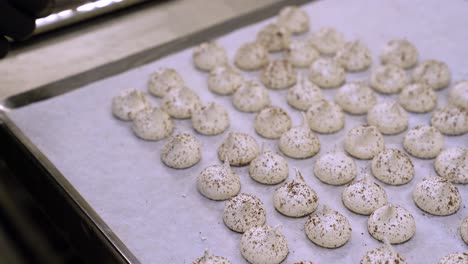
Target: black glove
{"x": 17, "y": 19}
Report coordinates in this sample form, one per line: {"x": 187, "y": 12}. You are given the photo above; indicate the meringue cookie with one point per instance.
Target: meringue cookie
{"x": 389, "y": 117}
{"x": 326, "y": 73}
{"x": 304, "y": 94}
{"x": 328, "y": 228}
{"x": 389, "y": 79}
{"x": 437, "y": 196}
{"x": 364, "y": 142}
{"x": 454, "y": 258}
{"x": 264, "y": 245}
{"x": 451, "y": 120}
{"x": 418, "y": 97}
{"x": 464, "y": 230}
{"x": 364, "y": 196}
{"x": 163, "y": 80}
{"x": 294, "y": 19}
{"x": 425, "y": 142}
{"x": 181, "y": 151}
{"x": 239, "y": 148}
{"x": 209, "y": 55}
{"x": 301, "y": 53}
{"x": 383, "y": 254}
{"x": 458, "y": 95}
{"x": 252, "y": 96}
{"x": 279, "y": 74}
{"x": 210, "y": 119}
{"x": 325, "y": 117}
{"x": 274, "y": 37}
{"x": 295, "y": 198}
{"x": 208, "y": 258}
{"x": 392, "y": 222}
{"x": 335, "y": 168}
{"x": 218, "y": 182}
{"x": 327, "y": 40}
{"x": 434, "y": 73}
{"x": 128, "y": 103}
{"x": 354, "y": 56}
{"x": 224, "y": 80}
{"x": 393, "y": 167}
{"x": 299, "y": 142}
{"x": 452, "y": 164}
{"x": 251, "y": 56}
{"x": 399, "y": 52}
{"x": 269, "y": 168}
{"x": 271, "y": 122}
{"x": 355, "y": 98}
{"x": 180, "y": 102}
{"x": 152, "y": 124}
{"x": 243, "y": 212}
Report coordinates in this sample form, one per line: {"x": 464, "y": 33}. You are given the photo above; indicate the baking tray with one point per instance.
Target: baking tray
{"x": 157, "y": 212}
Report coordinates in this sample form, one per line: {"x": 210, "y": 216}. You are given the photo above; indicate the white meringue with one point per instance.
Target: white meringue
{"x": 294, "y": 19}
{"x": 425, "y": 142}
{"x": 252, "y": 96}
{"x": 392, "y": 222}
{"x": 335, "y": 168}
{"x": 389, "y": 117}
{"x": 434, "y": 73}
{"x": 418, "y": 98}
{"x": 210, "y": 119}
{"x": 451, "y": 120}
{"x": 218, "y": 182}
{"x": 304, "y": 94}
{"x": 271, "y": 122}
{"x": 354, "y": 56}
{"x": 209, "y": 258}
{"x": 209, "y": 55}
{"x": 181, "y": 151}
{"x": 128, "y": 103}
{"x": 393, "y": 167}
{"x": 251, "y": 56}
{"x": 364, "y": 142}
{"x": 264, "y": 245}
{"x": 399, "y": 52}
{"x": 383, "y": 254}
{"x": 454, "y": 258}
{"x": 239, "y": 148}
{"x": 364, "y": 196}
{"x": 327, "y": 40}
{"x": 274, "y": 37}
{"x": 452, "y": 164}
{"x": 180, "y": 103}
{"x": 355, "y": 98}
{"x": 458, "y": 95}
{"x": 301, "y": 53}
{"x": 325, "y": 117}
{"x": 269, "y": 168}
{"x": 295, "y": 198}
{"x": 437, "y": 196}
{"x": 152, "y": 124}
{"x": 299, "y": 142}
{"x": 328, "y": 228}
{"x": 388, "y": 79}
{"x": 163, "y": 80}
{"x": 279, "y": 74}
{"x": 224, "y": 80}
{"x": 326, "y": 73}
{"x": 464, "y": 230}
{"x": 243, "y": 212}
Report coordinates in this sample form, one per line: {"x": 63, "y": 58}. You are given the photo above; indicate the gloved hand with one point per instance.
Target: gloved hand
{"x": 17, "y": 19}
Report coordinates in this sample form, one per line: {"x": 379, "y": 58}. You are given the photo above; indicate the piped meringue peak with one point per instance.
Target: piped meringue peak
{"x": 163, "y": 80}
{"x": 152, "y": 124}
{"x": 181, "y": 151}
{"x": 383, "y": 254}
{"x": 264, "y": 245}
{"x": 209, "y": 55}
{"x": 238, "y": 148}
{"x": 224, "y": 80}
{"x": 210, "y": 119}
{"x": 355, "y": 98}
{"x": 272, "y": 122}
{"x": 424, "y": 142}
{"x": 399, "y": 52}
{"x": 180, "y": 103}
{"x": 251, "y": 97}
{"x": 274, "y": 37}
{"x": 327, "y": 40}
{"x": 218, "y": 182}
{"x": 325, "y": 117}
{"x": 326, "y": 73}
{"x": 294, "y": 19}
{"x": 392, "y": 166}
{"x": 335, "y": 168}
{"x": 392, "y": 222}
{"x": 304, "y": 94}
{"x": 437, "y": 196}
{"x": 364, "y": 142}
{"x": 433, "y": 73}
{"x": 418, "y": 98}
{"x": 354, "y": 56}
{"x": 299, "y": 142}
{"x": 364, "y": 196}
{"x": 452, "y": 164}
{"x": 389, "y": 117}
{"x": 388, "y": 79}
{"x": 128, "y": 103}
{"x": 269, "y": 168}
{"x": 251, "y": 56}
{"x": 243, "y": 212}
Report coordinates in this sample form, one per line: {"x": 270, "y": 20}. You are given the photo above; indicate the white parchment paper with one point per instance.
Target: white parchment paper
{"x": 157, "y": 211}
